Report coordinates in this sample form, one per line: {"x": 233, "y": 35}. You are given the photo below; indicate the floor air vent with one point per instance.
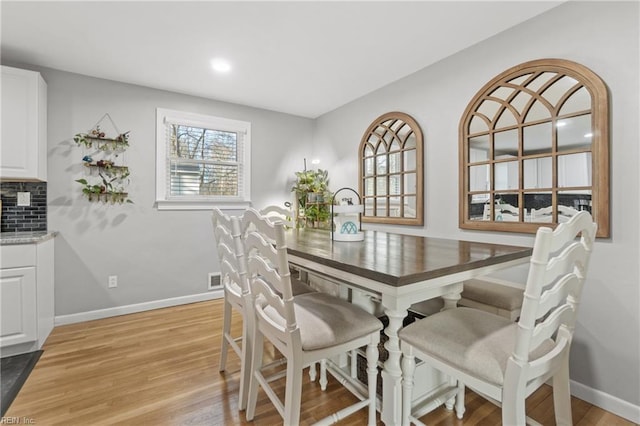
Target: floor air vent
{"x": 214, "y": 281}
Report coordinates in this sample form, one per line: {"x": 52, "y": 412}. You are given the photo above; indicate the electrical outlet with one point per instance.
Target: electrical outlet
{"x": 24, "y": 199}
{"x": 113, "y": 281}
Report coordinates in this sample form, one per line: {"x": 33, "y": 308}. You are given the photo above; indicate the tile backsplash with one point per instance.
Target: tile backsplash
{"x": 23, "y": 218}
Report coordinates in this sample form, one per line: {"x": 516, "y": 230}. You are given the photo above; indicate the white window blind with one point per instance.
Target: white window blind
{"x": 202, "y": 161}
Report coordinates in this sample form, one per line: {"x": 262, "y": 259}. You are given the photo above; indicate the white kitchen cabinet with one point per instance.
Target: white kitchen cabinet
{"x": 26, "y": 296}
{"x": 24, "y": 125}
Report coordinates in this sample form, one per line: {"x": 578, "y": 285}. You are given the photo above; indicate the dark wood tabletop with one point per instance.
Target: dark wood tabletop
{"x": 396, "y": 259}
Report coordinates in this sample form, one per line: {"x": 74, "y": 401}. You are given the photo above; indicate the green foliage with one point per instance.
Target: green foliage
{"x": 105, "y": 192}
{"x": 311, "y": 181}
{"x": 312, "y": 194}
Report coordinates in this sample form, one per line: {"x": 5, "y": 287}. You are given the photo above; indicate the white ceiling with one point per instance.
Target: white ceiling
{"x": 304, "y": 58}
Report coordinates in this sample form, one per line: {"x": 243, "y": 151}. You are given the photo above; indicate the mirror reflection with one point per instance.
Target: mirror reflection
{"x": 538, "y": 173}
{"x": 537, "y": 139}
{"x": 574, "y": 133}
{"x": 574, "y": 170}
{"x": 506, "y": 175}
{"x": 506, "y": 144}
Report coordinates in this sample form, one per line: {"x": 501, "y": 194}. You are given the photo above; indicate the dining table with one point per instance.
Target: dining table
{"x": 399, "y": 270}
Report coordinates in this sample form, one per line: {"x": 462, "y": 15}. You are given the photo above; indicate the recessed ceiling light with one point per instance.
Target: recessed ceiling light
{"x": 220, "y": 65}
{"x": 561, "y": 123}
{"x": 588, "y": 135}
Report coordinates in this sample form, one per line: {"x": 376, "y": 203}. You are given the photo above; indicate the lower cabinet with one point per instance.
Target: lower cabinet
{"x": 26, "y": 297}
{"x": 18, "y": 320}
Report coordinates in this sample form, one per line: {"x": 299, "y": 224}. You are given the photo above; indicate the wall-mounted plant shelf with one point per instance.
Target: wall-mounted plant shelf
{"x": 110, "y": 197}
{"x": 119, "y": 143}
{"x": 113, "y": 178}
{"x": 109, "y": 170}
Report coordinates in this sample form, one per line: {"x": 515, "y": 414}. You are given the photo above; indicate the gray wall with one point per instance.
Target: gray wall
{"x": 602, "y": 36}
{"x": 155, "y": 254}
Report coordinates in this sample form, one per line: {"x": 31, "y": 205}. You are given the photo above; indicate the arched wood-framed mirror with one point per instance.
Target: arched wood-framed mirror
{"x": 534, "y": 149}
{"x": 390, "y": 169}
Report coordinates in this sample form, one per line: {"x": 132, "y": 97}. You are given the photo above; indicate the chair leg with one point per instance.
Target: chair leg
{"x": 226, "y": 329}
{"x": 372, "y": 378}
{"x": 562, "y": 395}
{"x": 513, "y": 407}
{"x": 323, "y": 374}
{"x": 245, "y": 365}
{"x": 312, "y": 372}
{"x": 256, "y": 365}
{"x": 408, "y": 368}
{"x": 293, "y": 393}
{"x": 460, "y": 409}
{"x": 354, "y": 364}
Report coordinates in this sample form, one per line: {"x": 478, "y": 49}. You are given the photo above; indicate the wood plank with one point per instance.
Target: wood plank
{"x": 161, "y": 367}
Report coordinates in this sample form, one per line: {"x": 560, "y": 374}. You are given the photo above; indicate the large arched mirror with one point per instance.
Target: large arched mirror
{"x": 391, "y": 175}
{"x": 534, "y": 149}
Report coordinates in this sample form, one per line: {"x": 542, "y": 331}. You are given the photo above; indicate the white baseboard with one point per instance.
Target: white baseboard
{"x": 138, "y": 307}
{"x": 607, "y": 402}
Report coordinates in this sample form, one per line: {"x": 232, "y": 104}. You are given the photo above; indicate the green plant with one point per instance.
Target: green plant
{"x": 104, "y": 192}
{"x": 311, "y": 181}
{"x": 316, "y": 182}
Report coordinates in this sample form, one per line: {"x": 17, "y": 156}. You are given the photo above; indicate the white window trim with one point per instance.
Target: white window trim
{"x": 163, "y": 202}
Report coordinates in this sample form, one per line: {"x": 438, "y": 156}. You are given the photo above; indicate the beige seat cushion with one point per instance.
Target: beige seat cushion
{"x": 490, "y": 293}
{"x": 326, "y": 321}
{"x": 474, "y": 341}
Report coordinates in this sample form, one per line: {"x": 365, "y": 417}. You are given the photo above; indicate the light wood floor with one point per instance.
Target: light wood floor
{"x": 161, "y": 368}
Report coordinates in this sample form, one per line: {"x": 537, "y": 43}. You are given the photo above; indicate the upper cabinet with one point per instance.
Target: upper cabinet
{"x": 24, "y": 125}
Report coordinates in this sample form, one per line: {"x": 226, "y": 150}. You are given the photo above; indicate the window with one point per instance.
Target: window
{"x": 202, "y": 161}
{"x": 390, "y": 157}
{"x": 534, "y": 149}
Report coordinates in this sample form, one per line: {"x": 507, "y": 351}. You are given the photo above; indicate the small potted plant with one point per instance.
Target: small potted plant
{"x": 312, "y": 195}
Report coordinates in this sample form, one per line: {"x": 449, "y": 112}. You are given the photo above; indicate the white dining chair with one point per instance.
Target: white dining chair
{"x": 502, "y": 360}
{"x": 233, "y": 276}
{"x": 306, "y": 328}
{"x": 299, "y": 281}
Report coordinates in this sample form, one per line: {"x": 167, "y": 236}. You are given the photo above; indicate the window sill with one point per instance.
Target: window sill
{"x": 201, "y": 205}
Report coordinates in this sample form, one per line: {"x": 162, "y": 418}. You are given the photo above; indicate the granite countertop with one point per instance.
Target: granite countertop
{"x": 7, "y": 238}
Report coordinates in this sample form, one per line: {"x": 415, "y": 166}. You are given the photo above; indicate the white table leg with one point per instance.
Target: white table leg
{"x": 392, "y": 373}
{"x": 450, "y": 300}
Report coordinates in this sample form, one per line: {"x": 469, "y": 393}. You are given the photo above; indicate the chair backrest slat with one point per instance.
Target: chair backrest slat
{"x": 274, "y": 213}
{"x": 547, "y": 328}
{"x": 573, "y": 256}
{"x": 254, "y": 241}
{"x": 556, "y": 276}
{"x": 561, "y": 290}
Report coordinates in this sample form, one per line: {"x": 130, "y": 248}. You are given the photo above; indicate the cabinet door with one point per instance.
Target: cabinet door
{"x": 23, "y": 124}
{"x": 18, "y": 321}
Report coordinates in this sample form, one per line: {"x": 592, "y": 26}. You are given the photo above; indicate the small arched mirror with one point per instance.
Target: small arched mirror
{"x": 391, "y": 175}
{"x": 534, "y": 149}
